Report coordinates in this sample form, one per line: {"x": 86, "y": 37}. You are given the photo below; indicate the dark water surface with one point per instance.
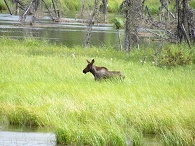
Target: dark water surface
{"x": 70, "y": 31}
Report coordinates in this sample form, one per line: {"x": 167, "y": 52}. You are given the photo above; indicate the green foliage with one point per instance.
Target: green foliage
{"x": 192, "y": 4}
{"x": 70, "y": 5}
{"x": 114, "y": 5}
{"x": 172, "y": 57}
{"x": 2, "y": 6}
{"x": 118, "y": 23}
{"x": 154, "y": 9}
{"x": 153, "y": 6}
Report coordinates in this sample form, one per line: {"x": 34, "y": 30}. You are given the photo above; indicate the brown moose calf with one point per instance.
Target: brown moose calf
{"x": 101, "y": 72}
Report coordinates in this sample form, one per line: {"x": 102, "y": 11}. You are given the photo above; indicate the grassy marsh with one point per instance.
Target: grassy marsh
{"x": 42, "y": 85}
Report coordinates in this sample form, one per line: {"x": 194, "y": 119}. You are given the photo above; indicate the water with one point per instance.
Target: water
{"x": 8, "y": 138}
{"x": 24, "y": 136}
{"x": 71, "y": 32}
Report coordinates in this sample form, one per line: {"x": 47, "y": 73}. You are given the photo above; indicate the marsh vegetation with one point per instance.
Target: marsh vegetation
{"x": 42, "y": 85}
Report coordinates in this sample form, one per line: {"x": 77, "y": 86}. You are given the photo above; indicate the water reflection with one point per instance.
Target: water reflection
{"x": 21, "y": 135}
{"x": 8, "y": 138}
{"x": 67, "y": 33}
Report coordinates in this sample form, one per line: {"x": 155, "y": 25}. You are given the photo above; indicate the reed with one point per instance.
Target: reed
{"x": 42, "y": 85}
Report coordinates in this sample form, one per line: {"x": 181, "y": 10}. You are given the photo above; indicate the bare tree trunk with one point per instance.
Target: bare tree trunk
{"x": 54, "y": 8}
{"x": 105, "y": 9}
{"x": 127, "y": 36}
{"x": 128, "y": 24}
{"x": 50, "y": 14}
{"x": 183, "y": 23}
{"x": 133, "y": 13}
{"x": 17, "y": 8}
{"x": 26, "y": 11}
{"x": 82, "y": 7}
{"x": 91, "y": 23}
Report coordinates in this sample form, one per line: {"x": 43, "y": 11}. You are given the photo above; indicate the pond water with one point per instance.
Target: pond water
{"x": 10, "y": 138}
{"x": 23, "y": 136}
{"x": 70, "y": 31}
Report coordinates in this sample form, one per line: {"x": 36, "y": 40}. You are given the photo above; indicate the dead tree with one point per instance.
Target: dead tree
{"x": 91, "y": 23}
{"x": 181, "y": 26}
{"x": 185, "y": 23}
{"x": 105, "y": 9}
{"x": 19, "y": 5}
{"x": 17, "y": 8}
{"x": 127, "y": 26}
{"x": 132, "y": 10}
{"x": 82, "y": 7}
{"x": 32, "y": 6}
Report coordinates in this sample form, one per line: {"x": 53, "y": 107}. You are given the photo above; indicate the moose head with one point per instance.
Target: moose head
{"x": 89, "y": 67}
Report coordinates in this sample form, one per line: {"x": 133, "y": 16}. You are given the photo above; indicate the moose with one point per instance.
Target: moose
{"x": 101, "y": 72}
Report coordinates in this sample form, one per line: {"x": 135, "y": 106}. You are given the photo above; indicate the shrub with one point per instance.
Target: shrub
{"x": 172, "y": 57}
{"x": 192, "y": 4}
{"x": 2, "y": 6}
{"x": 118, "y": 23}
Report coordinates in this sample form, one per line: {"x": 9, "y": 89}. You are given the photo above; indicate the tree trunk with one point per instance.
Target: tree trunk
{"x": 82, "y": 8}
{"x": 127, "y": 36}
{"x": 91, "y": 23}
{"x": 127, "y": 28}
{"x": 17, "y": 8}
{"x": 105, "y": 9}
{"x": 183, "y": 22}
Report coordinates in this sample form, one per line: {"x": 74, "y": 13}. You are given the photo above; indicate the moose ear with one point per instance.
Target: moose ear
{"x": 88, "y": 61}
{"x": 92, "y": 61}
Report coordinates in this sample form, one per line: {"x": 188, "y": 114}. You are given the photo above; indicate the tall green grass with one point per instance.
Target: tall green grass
{"x": 70, "y": 5}
{"x": 77, "y": 4}
{"x": 154, "y": 6}
{"x": 42, "y": 85}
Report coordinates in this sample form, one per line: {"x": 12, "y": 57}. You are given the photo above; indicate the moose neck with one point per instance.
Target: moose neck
{"x": 94, "y": 71}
